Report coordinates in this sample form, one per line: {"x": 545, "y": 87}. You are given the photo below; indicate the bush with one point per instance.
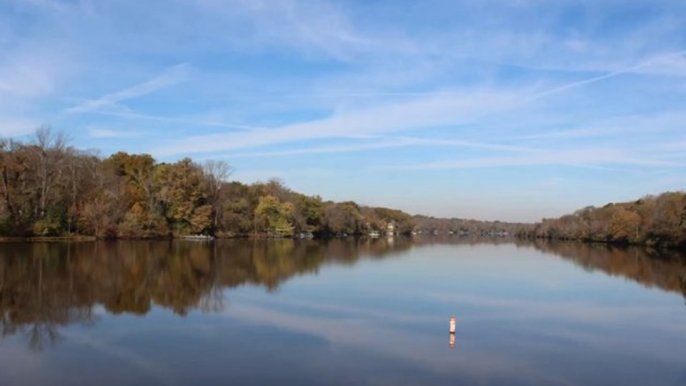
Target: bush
{"x": 46, "y": 227}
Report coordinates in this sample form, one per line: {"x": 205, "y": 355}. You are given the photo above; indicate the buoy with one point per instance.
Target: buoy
{"x": 453, "y": 323}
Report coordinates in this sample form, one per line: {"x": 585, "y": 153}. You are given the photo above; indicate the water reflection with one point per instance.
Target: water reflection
{"x": 44, "y": 287}
{"x": 339, "y": 312}
{"x": 652, "y": 268}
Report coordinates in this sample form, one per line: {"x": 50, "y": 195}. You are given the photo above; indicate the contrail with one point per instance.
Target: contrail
{"x": 603, "y": 77}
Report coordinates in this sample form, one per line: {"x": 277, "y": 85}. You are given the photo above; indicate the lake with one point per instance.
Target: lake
{"x": 340, "y": 312}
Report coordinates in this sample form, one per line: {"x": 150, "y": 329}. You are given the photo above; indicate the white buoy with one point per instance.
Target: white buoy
{"x": 453, "y": 324}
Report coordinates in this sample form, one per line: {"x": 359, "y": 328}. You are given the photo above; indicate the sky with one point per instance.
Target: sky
{"x": 488, "y": 109}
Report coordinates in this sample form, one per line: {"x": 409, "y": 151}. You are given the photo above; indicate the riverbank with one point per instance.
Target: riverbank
{"x": 45, "y": 239}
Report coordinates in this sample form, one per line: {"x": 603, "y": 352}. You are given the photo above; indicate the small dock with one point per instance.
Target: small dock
{"x": 197, "y": 237}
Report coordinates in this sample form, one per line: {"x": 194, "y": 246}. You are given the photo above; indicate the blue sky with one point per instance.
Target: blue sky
{"x": 487, "y": 109}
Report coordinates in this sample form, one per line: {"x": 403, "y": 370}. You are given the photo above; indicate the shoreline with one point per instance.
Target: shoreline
{"x": 82, "y": 238}
{"x": 45, "y": 239}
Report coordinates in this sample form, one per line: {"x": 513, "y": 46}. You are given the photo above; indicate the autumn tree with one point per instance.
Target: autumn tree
{"x": 143, "y": 215}
{"x": 48, "y": 160}
{"x": 344, "y": 218}
{"x": 275, "y": 217}
{"x": 217, "y": 174}
{"x": 182, "y": 193}
{"x": 15, "y": 187}
{"x": 310, "y": 211}
{"x": 624, "y": 226}
{"x": 652, "y": 221}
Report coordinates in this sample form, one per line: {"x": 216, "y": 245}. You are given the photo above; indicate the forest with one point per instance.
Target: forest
{"x": 50, "y": 189}
{"x": 653, "y": 221}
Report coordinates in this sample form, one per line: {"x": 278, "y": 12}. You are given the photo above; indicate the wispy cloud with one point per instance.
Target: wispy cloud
{"x": 427, "y": 111}
{"x": 458, "y": 85}
{"x": 589, "y": 157}
{"x": 31, "y": 72}
{"x": 11, "y": 127}
{"x": 171, "y": 119}
{"x": 394, "y": 117}
{"x": 569, "y": 134}
{"x": 313, "y": 28}
{"x": 665, "y": 122}
{"x": 651, "y": 62}
{"x": 102, "y": 133}
{"x": 382, "y": 142}
{"x": 170, "y": 76}
{"x": 324, "y": 149}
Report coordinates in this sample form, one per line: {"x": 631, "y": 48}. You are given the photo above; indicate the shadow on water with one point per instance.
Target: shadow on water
{"x": 47, "y": 286}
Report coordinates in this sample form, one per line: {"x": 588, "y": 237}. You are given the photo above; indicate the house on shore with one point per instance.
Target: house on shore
{"x": 390, "y": 228}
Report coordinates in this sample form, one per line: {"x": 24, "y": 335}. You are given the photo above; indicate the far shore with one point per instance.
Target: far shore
{"x": 86, "y": 238}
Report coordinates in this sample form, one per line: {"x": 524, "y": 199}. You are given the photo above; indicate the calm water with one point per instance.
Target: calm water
{"x": 342, "y": 312}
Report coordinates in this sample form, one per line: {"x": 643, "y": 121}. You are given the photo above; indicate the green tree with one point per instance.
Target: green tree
{"x": 275, "y": 217}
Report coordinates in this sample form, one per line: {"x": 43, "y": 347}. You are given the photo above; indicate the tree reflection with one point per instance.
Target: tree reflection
{"x": 44, "y": 287}
{"x": 37, "y": 295}
{"x": 47, "y": 286}
{"x": 652, "y": 268}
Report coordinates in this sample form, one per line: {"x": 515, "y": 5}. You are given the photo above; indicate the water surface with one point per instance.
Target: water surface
{"x": 340, "y": 312}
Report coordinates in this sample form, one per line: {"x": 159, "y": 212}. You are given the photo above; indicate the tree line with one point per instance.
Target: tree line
{"x": 653, "y": 221}
{"x": 49, "y": 188}
{"x": 459, "y": 226}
